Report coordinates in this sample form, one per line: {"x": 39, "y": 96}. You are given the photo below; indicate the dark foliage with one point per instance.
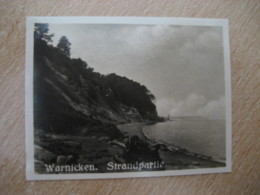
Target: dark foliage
{"x": 69, "y": 96}
{"x": 64, "y": 45}
{"x": 132, "y": 94}
{"x": 41, "y": 32}
{"x": 140, "y": 150}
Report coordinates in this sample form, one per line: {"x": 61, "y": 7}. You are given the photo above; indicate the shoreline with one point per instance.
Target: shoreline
{"x": 134, "y": 146}
{"x": 173, "y": 156}
{"x": 173, "y": 147}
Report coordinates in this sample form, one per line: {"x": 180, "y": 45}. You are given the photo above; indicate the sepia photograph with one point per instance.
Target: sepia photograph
{"x": 115, "y": 97}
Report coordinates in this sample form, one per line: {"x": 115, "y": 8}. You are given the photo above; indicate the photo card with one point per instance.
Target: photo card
{"x": 117, "y": 97}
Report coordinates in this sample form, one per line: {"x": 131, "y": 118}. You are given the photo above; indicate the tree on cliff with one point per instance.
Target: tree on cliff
{"x": 133, "y": 94}
{"x": 41, "y": 32}
{"x": 64, "y": 45}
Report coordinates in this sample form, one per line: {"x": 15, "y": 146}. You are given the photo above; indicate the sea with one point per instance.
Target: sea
{"x": 197, "y": 135}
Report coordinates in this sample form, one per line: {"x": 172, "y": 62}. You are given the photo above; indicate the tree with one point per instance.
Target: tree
{"x": 132, "y": 94}
{"x": 41, "y": 32}
{"x": 64, "y": 45}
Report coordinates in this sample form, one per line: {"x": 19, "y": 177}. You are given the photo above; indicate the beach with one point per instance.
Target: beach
{"x": 110, "y": 154}
{"x": 174, "y": 157}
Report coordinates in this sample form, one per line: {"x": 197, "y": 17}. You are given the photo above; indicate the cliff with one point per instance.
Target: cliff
{"x": 71, "y": 98}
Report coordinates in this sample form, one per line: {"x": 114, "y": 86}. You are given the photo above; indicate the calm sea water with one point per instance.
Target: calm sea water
{"x": 201, "y": 136}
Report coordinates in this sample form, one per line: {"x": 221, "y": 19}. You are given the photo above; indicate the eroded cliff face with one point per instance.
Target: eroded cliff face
{"x": 69, "y": 97}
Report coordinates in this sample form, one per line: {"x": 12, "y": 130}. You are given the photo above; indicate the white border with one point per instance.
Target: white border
{"x": 31, "y": 175}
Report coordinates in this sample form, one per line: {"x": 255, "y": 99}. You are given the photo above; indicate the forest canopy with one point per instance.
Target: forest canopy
{"x": 70, "y": 89}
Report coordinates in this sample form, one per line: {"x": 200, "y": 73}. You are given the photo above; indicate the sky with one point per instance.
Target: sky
{"x": 183, "y": 66}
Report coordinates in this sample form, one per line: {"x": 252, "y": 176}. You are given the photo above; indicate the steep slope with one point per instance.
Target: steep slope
{"x": 69, "y": 97}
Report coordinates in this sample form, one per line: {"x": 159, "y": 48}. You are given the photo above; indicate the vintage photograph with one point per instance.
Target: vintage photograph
{"x": 127, "y": 97}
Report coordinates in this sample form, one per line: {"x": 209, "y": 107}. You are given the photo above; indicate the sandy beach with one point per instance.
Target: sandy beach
{"x": 175, "y": 158}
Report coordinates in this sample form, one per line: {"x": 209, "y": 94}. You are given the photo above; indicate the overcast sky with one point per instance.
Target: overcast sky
{"x": 182, "y": 66}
